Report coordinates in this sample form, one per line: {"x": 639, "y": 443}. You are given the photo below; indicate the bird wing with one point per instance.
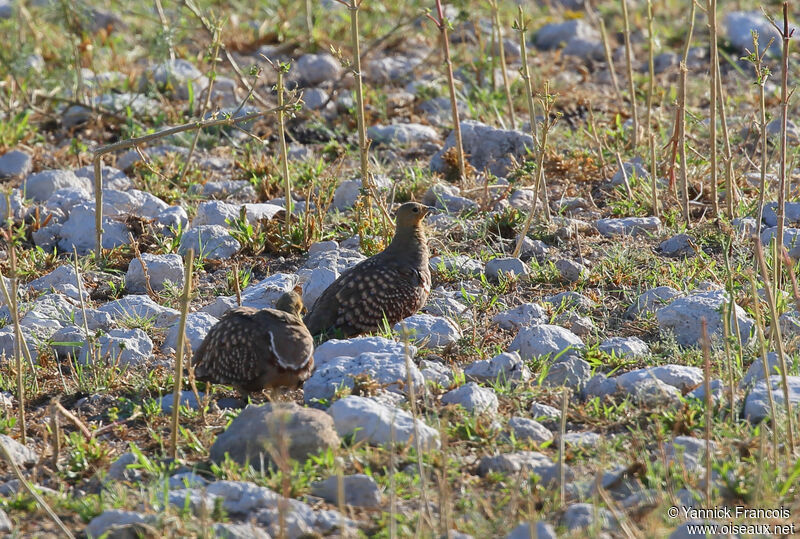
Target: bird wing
{"x": 289, "y": 340}
{"x": 360, "y": 298}
{"x": 231, "y": 351}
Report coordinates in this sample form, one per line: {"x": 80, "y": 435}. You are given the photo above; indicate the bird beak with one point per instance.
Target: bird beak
{"x": 431, "y": 209}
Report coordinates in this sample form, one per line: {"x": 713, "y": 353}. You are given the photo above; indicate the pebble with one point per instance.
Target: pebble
{"x": 756, "y": 406}
{"x": 486, "y": 147}
{"x": 683, "y": 318}
{"x": 15, "y": 164}
{"x": 506, "y": 266}
{"x": 368, "y": 420}
{"x": 360, "y": 490}
{"x": 209, "y": 241}
{"x": 545, "y": 339}
{"x": 633, "y": 226}
{"x": 527, "y": 314}
{"x": 678, "y": 245}
{"x": 429, "y": 331}
{"x": 625, "y": 347}
{"x": 163, "y": 272}
{"x": 255, "y": 430}
{"x": 525, "y": 429}
{"x": 505, "y": 367}
{"x": 527, "y": 461}
{"x": 571, "y": 372}
{"x": 340, "y": 372}
{"x": 473, "y": 398}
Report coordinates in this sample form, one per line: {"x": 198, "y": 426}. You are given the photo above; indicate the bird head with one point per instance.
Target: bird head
{"x": 411, "y": 214}
{"x": 290, "y": 302}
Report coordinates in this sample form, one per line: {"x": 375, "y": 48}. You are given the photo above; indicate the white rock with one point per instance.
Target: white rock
{"x": 523, "y": 531}
{"x": 15, "y": 164}
{"x": 59, "y": 276}
{"x": 625, "y": 347}
{"x": 402, "y": 134}
{"x": 121, "y": 347}
{"x": 683, "y": 317}
{"x": 755, "y": 372}
{"x": 217, "y": 212}
{"x": 756, "y": 406}
{"x": 314, "y": 69}
{"x": 187, "y": 399}
{"x": 373, "y": 422}
{"x": 486, "y": 147}
{"x": 525, "y": 461}
{"x": 652, "y": 393}
{"x": 651, "y": 300}
{"x": 554, "y": 35}
{"x": 504, "y": 367}
{"x": 459, "y": 263}
{"x": 116, "y": 517}
{"x": 392, "y": 68}
{"x": 265, "y": 293}
{"x": 360, "y": 490}
{"x": 21, "y": 455}
{"x": 545, "y": 339}
{"x": 132, "y": 202}
{"x": 340, "y": 372}
{"x": 429, "y": 331}
{"x": 334, "y": 348}
{"x": 633, "y": 169}
{"x": 506, "y": 266}
{"x": 41, "y": 185}
{"x": 739, "y": 26}
{"x": 348, "y": 191}
{"x": 525, "y": 429}
{"x": 571, "y": 372}
{"x": 176, "y": 76}
{"x": 677, "y": 245}
{"x": 570, "y": 300}
{"x": 527, "y": 314}
{"x": 78, "y": 231}
{"x": 791, "y": 239}
{"x": 633, "y": 226}
{"x": 316, "y": 282}
{"x": 140, "y": 307}
{"x": 681, "y": 376}
{"x": 583, "y": 516}
{"x": 113, "y": 178}
{"x": 209, "y": 241}
{"x": 161, "y": 269}
{"x": 544, "y": 412}
{"x": 472, "y": 398}
{"x": 197, "y": 327}
{"x": 436, "y": 372}
{"x": 571, "y": 271}
{"x": 220, "y": 306}
{"x": 229, "y": 530}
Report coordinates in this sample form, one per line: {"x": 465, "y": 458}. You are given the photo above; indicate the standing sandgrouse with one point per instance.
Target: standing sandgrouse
{"x": 254, "y": 349}
{"x": 391, "y": 285}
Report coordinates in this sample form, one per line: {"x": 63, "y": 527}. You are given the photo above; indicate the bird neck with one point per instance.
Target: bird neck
{"x": 410, "y": 242}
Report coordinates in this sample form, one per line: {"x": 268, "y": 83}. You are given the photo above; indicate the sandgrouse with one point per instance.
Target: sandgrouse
{"x": 254, "y": 349}
{"x": 389, "y": 286}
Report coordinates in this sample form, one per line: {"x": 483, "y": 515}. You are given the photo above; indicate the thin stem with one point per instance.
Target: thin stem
{"x": 522, "y": 28}
{"x": 501, "y": 47}
{"x": 711, "y": 7}
{"x": 442, "y": 24}
{"x": 287, "y": 180}
{"x": 682, "y": 144}
{"x": 629, "y": 68}
{"x": 786, "y": 37}
{"x": 176, "y": 398}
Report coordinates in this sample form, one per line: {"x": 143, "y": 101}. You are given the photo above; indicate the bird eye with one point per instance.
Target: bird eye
{"x": 415, "y": 210}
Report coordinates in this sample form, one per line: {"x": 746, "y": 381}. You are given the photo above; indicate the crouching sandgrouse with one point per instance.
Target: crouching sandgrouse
{"x": 389, "y": 286}
{"x": 254, "y": 349}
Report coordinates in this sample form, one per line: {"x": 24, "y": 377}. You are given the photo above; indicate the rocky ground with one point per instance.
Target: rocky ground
{"x": 558, "y": 391}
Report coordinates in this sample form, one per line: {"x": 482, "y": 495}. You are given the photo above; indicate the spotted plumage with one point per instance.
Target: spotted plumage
{"x": 391, "y": 285}
{"x": 254, "y": 349}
